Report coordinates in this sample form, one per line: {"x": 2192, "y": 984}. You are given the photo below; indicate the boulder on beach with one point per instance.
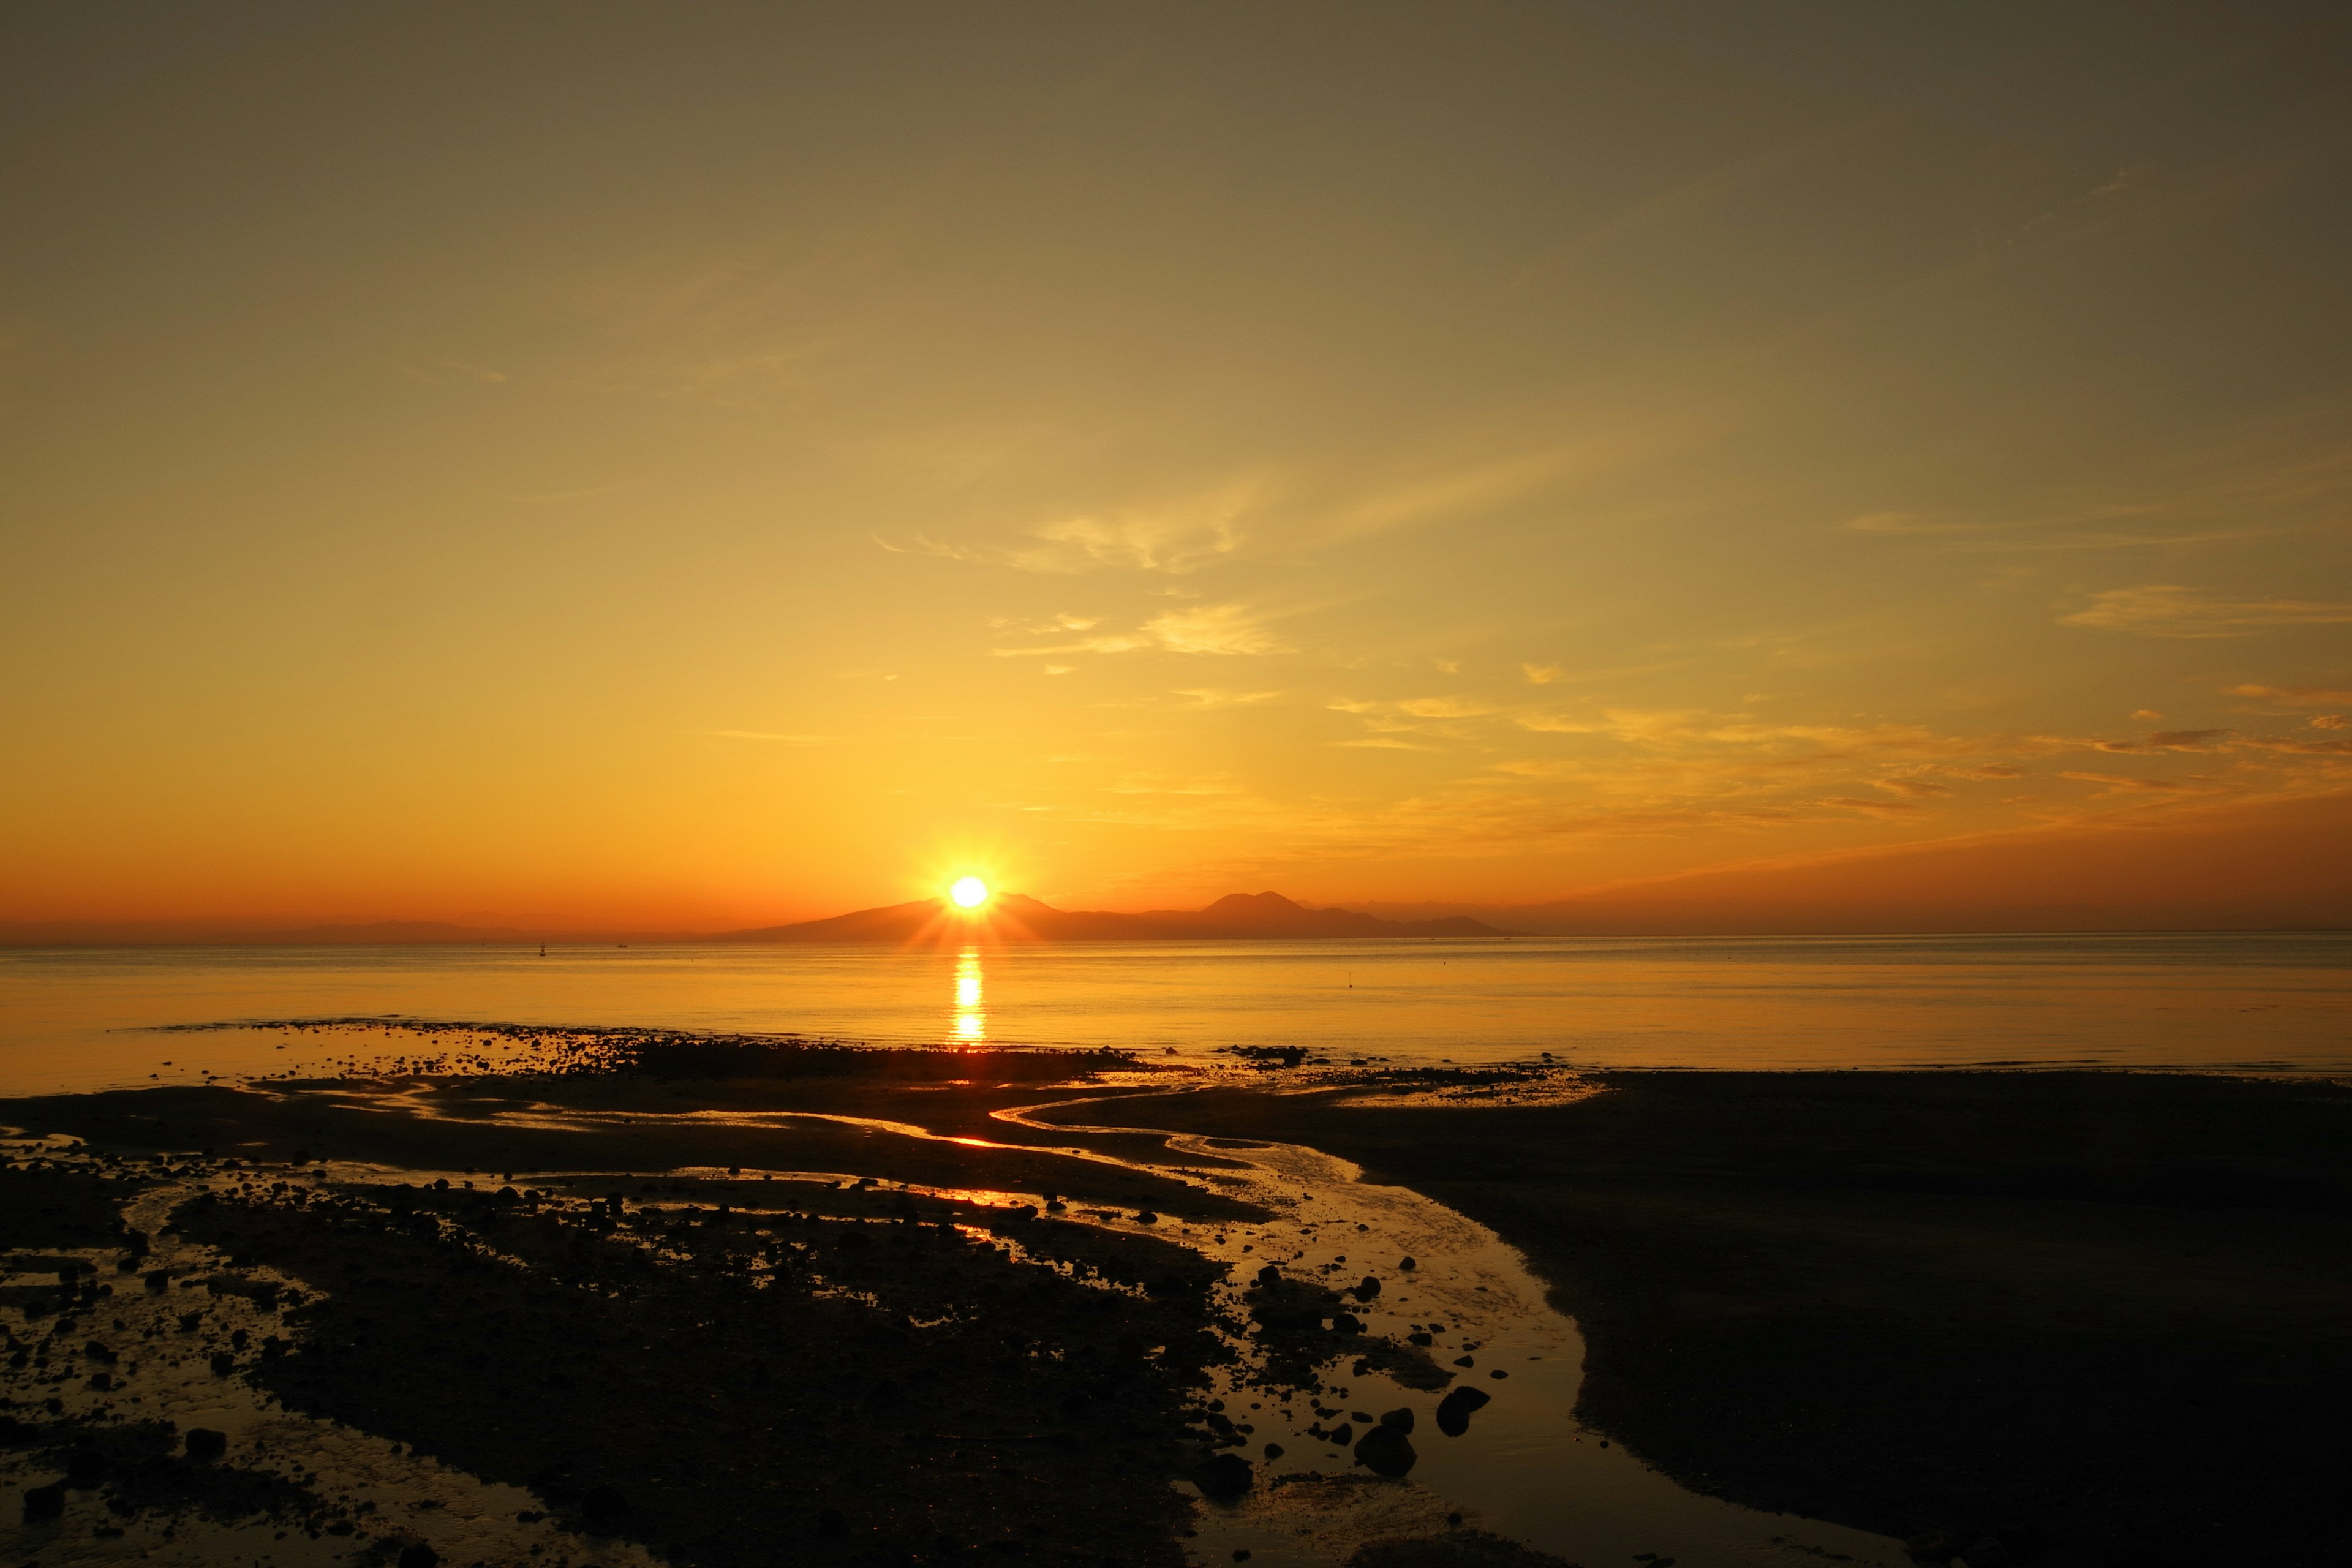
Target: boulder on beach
{"x": 1367, "y": 1289}
{"x": 1401, "y": 1418}
{"x": 206, "y": 1444}
{"x": 1386, "y": 1451}
{"x": 43, "y": 1503}
{"x": 1454, "y": 1411}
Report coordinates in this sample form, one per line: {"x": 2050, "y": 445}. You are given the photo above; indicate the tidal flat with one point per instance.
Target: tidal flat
{"x": 641, "y": 1298}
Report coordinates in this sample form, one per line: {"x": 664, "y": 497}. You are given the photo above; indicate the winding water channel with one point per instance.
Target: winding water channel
{"x": 1524, "y": 1468}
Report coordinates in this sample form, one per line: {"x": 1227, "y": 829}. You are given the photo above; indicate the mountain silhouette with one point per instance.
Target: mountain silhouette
{"x": 1015, "y": 916}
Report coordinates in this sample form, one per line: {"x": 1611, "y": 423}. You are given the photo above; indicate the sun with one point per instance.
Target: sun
{"x": 969, "y": 892}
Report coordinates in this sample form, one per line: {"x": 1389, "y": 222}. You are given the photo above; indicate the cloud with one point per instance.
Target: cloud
{"x": 1217, "y": 697}
{"x": 2168, "y": 610}
{"x": 1384, "y": 744}
{"x": 2170, "y": 740}
{"x": 1214, "y": 628}
{"x": 1204, "y": 628}
{"x": 2298, "y": 696}
{"x": 1444, "y": 707}
{"x": 1083, "y": 645}
{"x": 1540, "y": 674}
{"x": 2118, "y": 784}
{"x": 1176, "y": 537}
{"x": 1261, "y": 513}
{"x": 1911, "y": 787}
{"x": 1890, "y": 809}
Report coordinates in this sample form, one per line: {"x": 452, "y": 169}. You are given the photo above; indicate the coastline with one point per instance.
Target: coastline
{"x": 1914, "y": 1303}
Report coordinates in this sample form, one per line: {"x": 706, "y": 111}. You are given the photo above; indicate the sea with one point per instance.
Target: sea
{"x": 88, "y": 1018}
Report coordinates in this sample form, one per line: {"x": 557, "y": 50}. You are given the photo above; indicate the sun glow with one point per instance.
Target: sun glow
{"x": 969, "y": 892}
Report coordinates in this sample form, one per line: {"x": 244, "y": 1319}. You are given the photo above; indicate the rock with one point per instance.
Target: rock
{"x": 1987, "y": 1553}
{"x": 1225, "y": 1476}
{"x": 1147, "y": 1217}
{"x": 1401, "y": 1418}
{"x": 604, "y": 1504}
{"x": 1342, "y": 1435}
{"x": 1274, "y": 1450}
{"x": 1407, "y": 1263}
{"x": 101, "y": 1381}
{"x": 1498, "y": 1372}
{"x": 1454, "y": 1411}
{"x": 158, "y": 1280}
{"x": 204, "y": 1445}
{"x": 1346, "y": 1323}
{"x": 1417, "y": 1338}
{"x": 99, "y": 1352}
{"x": 43, "y": 1503}
{"x": 1269, "y": 1275}
{"x": 223, "y": 1363}
{"x": 1366, "y": 1289}
{"x": 1464, "y": 1361}
{"x": 1385, "y": 1451}
{"x": 416, "y": 1554}
{"x": 85, "y": 1467}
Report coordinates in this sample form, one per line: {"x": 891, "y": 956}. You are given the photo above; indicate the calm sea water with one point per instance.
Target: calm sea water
{"x": 83, "y": 1018}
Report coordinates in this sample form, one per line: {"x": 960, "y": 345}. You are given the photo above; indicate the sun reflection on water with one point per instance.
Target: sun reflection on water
{"x": 971, "y": 1021}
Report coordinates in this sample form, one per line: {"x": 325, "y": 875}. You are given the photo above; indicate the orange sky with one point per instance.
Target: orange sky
{"x": 703, "y": 466}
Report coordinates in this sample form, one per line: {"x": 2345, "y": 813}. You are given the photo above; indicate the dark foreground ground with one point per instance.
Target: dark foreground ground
{"x": 724, "y": 1369}
{"x": 2105, "y": 1319}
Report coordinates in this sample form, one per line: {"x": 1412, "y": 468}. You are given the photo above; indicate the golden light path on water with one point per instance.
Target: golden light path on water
{"x": 970, "y": 1023}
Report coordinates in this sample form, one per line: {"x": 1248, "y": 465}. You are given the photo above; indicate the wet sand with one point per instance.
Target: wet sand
{"x": 876, "y": 1312}
{"x": 2100, "y": 1318}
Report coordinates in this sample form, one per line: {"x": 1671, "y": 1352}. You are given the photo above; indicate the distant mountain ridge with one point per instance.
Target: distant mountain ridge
{"x": 1015, "y": 916}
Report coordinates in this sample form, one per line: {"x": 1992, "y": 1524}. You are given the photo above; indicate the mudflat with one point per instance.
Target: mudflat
{"x": 711, "y": 1305}
{"x": 2100, "y": 1318}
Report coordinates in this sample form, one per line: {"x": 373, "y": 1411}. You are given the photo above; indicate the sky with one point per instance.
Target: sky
{"x": 707, "y": 465}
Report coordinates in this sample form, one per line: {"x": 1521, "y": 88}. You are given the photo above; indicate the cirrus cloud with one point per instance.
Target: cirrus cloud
{"x": 2169, "y": 610}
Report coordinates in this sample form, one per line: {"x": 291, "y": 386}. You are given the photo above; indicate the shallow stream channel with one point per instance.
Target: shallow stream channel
{"x": 1522, "y": 1467}
{"x": 1355, "y": 1309}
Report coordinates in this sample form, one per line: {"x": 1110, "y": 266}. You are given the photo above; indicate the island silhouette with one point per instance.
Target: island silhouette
{"x": 1016, "y": 917}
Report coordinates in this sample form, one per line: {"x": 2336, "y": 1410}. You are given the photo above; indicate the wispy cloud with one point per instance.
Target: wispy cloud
{"x": 2117, "y": 783}
{"x": 2170, "y": 740}
{"x": 1214, "y": 628}
{"x": 2168, "y": 610}
{"x": 1217, "y": 697}
{"x": 2295, "y": 696}
{"x": 1225, "y": 629}
{"x": 1912, "y": 788}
